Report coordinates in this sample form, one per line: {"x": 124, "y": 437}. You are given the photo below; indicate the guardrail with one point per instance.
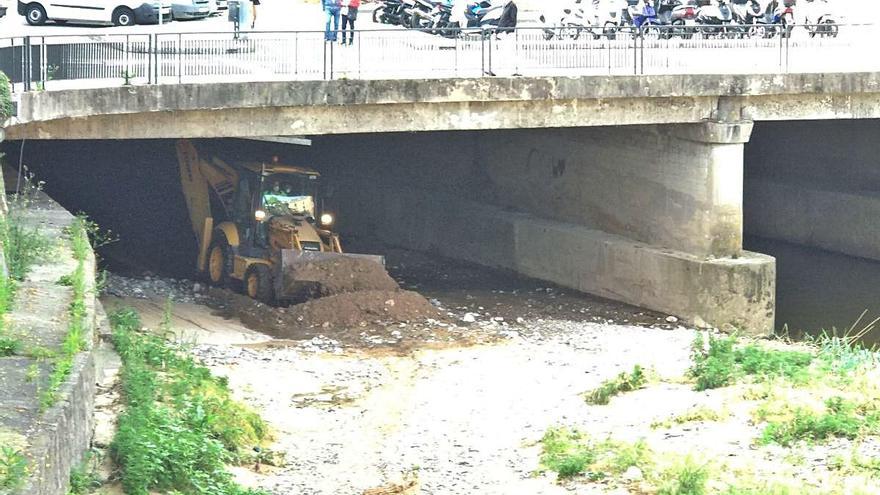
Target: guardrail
{"x": 70, "y": 61}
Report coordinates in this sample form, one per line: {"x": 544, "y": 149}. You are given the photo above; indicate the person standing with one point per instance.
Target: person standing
{"x": 254, "y": 4}
{"x": 331, "y": 9}
{"x": 349, "y": 15}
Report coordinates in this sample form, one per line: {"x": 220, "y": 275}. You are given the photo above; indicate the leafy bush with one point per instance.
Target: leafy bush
{"x": 180, "y": 427}
{"x": 624, "y": 382}
{"x": 5, "y": 98}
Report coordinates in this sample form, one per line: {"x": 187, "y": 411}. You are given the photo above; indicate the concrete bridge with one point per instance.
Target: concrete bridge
{"x": 629, "y": 187}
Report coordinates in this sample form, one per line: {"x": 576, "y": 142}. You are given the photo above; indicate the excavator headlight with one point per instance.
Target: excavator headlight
{"x": 326, "y": 219}
{"x": 260, "y": 215}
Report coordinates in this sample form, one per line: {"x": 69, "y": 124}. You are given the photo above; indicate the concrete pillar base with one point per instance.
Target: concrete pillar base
{"x": 731, "y": 293}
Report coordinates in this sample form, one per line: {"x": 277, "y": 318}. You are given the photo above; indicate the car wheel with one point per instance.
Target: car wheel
{"x": 35, "y": 14}
{"x": 123, "y": 16}
{"x": 258, "y": 283}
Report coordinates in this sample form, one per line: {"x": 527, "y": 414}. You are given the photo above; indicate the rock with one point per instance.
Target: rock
{"x": 389, "y": 302}
{"x": 468, "y": 318}
{"x": 633, "y": 474}
{"x": 671, "y": 319}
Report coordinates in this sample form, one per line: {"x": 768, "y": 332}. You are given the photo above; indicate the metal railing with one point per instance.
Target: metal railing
{"x": 75, "y": 61}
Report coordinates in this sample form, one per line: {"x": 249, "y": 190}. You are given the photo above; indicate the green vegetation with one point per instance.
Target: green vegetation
{"x": 841, "y": 418}
{"x": 180, "y": 426}
{"x": 624, "y": 382}
{"x": 695, "y": 414}
{"x": 5, "y": 98}
{"x": 571, "y": 453}
{"x": 75, "y": 340}
{"x": 686, "y": 477}
{"x": 13, "y": 469}
{"x": 84, "y": 478}
{"x": 718, "y": 363}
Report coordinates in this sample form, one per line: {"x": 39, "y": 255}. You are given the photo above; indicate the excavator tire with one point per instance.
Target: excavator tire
{"x": 220, "y": 261}
{"x": 258, "y": 284}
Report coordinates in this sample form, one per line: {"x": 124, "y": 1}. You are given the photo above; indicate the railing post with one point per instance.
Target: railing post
{"x": 635, "y": 38}
{"x": 150, "y": 54}
{"x": 787, "y": 48}
{"x": 127, "y": 75}
{"x": 455, "y": 56}
{"x": 26, "y": 61}
{"x": 44, "y": 64}
{"x": 325, "y": 59}
{"x": 179, "y": 58}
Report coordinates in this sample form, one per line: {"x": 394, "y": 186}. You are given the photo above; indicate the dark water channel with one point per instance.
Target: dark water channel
{"x": 819, "y": 290}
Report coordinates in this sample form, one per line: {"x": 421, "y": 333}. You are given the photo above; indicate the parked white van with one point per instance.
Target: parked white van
{"x": 116, "y": 12}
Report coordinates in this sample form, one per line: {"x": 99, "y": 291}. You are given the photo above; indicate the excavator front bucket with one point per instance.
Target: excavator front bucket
{"x": 311, "y": 274}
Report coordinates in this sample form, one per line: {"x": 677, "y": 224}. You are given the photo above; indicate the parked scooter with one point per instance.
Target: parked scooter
{"x": 819, "y": 20}
{"x": 388, "y": 12}
{"x": 681, "y": 15}
{"x": 715, "y": 18}
{"x": 422, "y": 14}
{"x": 746, "y": 17}
{"x": 643, "y": 17}
{"x": 483, "y": 14}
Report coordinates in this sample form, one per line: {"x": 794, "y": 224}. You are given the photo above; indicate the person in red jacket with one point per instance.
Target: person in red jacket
{"x": 349, "y": 15}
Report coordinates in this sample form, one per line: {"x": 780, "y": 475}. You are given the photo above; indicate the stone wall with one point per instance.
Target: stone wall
{"x": 56, "y": 437}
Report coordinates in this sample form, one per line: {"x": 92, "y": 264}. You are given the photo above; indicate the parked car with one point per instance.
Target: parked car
{"x": 116, "y": 12}
{"x": 190, "y": 9}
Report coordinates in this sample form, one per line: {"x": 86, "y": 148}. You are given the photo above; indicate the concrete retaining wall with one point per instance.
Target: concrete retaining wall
{"x": 58, "y": 437}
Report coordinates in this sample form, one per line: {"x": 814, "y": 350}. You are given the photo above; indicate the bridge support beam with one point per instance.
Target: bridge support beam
{"x": 646, "y": 215}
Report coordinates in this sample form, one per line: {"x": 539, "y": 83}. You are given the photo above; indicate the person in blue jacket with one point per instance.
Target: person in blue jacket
{"x": 331, "y": 8}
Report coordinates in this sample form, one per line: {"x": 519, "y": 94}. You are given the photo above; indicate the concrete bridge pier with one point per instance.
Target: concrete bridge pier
{"x": 649, "y": 215}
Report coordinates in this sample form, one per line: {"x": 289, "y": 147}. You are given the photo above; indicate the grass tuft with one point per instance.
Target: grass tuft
{"x": 718, "y": 363}
{"x": 686, "y": 477}
{"x": 624, "y": 382}
{"x": 13, "y": 469}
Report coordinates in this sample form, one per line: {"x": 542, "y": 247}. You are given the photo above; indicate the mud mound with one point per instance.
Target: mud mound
{"x": 334, "y": 276}
{"x": 350, "y": 310}
{"x": 326, "y": 315}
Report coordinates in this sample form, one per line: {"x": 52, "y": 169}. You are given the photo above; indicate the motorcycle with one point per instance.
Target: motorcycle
{"x": 680, "y": 14}
{"x": 483, "y": 14}
{"x": 715, "y": 18}
{"x": 779, "y": 18}
{"x": 746, "y": 17}
{"x": 388, "y": 12}
{"x": 422, "y": 14}
{"x": 643, "y": 17}
{"x": 819, "y": 20}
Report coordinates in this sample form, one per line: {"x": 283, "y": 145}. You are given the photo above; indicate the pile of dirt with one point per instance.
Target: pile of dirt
{"x": 342, "y": 275}
{"x": 327, "y": 315}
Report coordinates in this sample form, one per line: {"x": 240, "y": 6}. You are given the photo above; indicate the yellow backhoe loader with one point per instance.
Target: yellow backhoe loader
{"x": 256, "y": 223}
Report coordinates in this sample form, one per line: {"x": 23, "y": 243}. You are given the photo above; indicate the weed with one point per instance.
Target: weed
{"x": 840, "y": 419}
{"x": 33, "y": 372}
{"x": 13, "y": 469}
{"x": 686, "y": 477}
{"x": 75, "y": 340}
{"x": 22, "y": 246}
{"x": 714, "y": 366}
{"x": 699, "y": 413}
{"x": 180, "y": 426}
{"x": 84, "y": 478}
{"x": 5, "y": 98}
{"x": 570, "y": 453}
{"x": 718, "y": 363}
{"x": 9, "y": 346}
{"x": 65, "y": 280}
{"x": 624, "y": 382}
{"x": 566, "y": 452}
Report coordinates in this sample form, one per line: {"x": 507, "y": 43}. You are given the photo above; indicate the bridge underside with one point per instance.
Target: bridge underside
{"x": 648, "y": 215}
